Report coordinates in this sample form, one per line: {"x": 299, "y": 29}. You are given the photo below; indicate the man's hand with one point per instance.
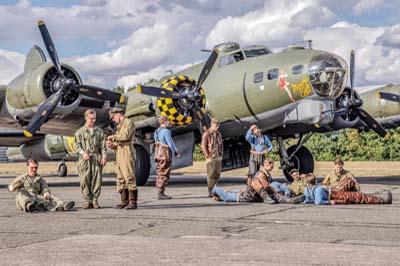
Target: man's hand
{"x": 178, "y": 155}
{"x": 46, "y": 195}
{"x": 111, "y": 145}
{"x": 110, "y": 138}
{"x": 85, "y": 156}
{"x": 103, "y": 161}
{"x": 332, "y": 202}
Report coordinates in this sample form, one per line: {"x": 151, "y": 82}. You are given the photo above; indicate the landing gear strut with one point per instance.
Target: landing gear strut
{"x": 296, "y": 157}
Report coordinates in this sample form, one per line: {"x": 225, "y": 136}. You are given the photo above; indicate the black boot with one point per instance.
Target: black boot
{"x": 163, "y": 196}
{"x": 132, "y": 200}
{"x": 297, "y": 200}
{"x": 29, "y": 206}
{"x": 268, "y": 196}
{"x": 124, "y": 199}
{"x": 387, "y": 198}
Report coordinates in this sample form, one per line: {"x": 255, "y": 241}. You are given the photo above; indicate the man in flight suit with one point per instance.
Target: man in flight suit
{"x": 340, "y": 179}
{"x": 260, "y": 146}
{"x": 212, "y": 147}
{"x": 34, "y": 193}
{"x": 121, "y": 142}
{"x": 164, "y": 146}
{"x": 90, "y": 144}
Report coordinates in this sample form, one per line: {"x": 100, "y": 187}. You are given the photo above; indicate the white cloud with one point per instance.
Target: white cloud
{"x": 373, "y": 64}
{"x": 278, "y": 22}
{"x": 391, "y": 37}
{"x": 366, "y": 6}
{"x": 154, "y": 73}
{"x": 12, "y": 64}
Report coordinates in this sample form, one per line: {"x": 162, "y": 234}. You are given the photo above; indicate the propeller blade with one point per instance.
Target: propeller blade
{"x": 201, "y": 116}
{"x": 373, "y": 124}
{"x": 42, "y": 114}
{"x": 159, "y": 92}
{"x": 207, "y": 68}
{"x": 389, "y": 96}
{"x": 352, "y": 73}
{"x": 100, "y": 93}
{"x": 51, "y": 50}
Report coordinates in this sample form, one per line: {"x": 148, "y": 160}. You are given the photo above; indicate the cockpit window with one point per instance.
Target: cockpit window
{"x": 230, "y": 59}
{"x": 256, "y": 52}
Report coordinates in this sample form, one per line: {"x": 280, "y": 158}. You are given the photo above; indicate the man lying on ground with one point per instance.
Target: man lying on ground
{"x": 320, "y": 195}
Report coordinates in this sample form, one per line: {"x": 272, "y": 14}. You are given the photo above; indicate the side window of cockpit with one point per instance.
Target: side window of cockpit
{"x": 297, "y": 69}
{"x": 258, "y": 77}
{"x": 273, "y": 73}
{"x": 223, "y": 61}
{"x": 236, "y": 57}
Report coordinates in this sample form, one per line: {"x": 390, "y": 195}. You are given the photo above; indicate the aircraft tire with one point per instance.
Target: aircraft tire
{"x": 62, "y": 170}
{"x": 303, "y": 161}
{"x": 142, "y": 165}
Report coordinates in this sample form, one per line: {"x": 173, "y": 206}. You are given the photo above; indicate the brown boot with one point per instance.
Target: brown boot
{"x": 124, "y": 199}
{"x": 132, "y": 200}
{"x": 96, "y": 205}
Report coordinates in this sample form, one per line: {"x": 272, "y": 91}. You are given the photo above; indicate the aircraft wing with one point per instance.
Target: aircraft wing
{"x": 14, "y": 138}
{"x": 383, "y": 104}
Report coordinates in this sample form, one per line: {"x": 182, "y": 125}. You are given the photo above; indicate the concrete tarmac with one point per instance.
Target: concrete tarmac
{"x": 192, "y": 229}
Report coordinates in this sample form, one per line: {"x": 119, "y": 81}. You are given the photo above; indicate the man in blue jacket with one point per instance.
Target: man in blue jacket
{"x": 260, "y": 146}
{"x": 164, "y": 146}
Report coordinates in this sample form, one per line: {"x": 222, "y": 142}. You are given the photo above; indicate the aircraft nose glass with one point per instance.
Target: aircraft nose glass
{"x": 327, "y": 75}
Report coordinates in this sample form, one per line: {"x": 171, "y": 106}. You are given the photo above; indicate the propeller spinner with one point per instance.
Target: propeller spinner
{"x": 190, "y": 97}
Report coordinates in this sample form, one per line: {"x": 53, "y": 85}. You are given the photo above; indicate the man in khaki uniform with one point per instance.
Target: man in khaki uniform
{"x": 90, "y": 144}
{"x": 34, "y": 193}
{"x": 340, "y": 179}
{"x": 212, "y": 147}
{"x": 121, "y": 142}
{"x": 298, "y": 184}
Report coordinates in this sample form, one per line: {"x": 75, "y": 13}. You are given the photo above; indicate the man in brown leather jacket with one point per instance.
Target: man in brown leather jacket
{"x": 259, "y": 190}
{"x": 212, "y": 146}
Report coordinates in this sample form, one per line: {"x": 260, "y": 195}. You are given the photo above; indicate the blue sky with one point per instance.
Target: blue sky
{"x": 126, "y": 42}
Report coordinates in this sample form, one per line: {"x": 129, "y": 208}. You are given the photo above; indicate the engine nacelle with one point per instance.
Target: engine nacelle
{"x": 36, "y": 84}
{"x": 49, "y": 148}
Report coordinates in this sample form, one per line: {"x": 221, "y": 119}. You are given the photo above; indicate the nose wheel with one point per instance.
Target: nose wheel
{"x": 296, "y": 157}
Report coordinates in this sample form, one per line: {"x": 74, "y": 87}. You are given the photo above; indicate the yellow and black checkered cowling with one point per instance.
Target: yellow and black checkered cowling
{"x": 171, "y": 107}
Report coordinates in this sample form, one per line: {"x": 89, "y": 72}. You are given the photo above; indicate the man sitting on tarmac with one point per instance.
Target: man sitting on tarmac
{"x": 320, "y": 195}
{"x": 34, "y": 193}
{"x": 341, "y": 179}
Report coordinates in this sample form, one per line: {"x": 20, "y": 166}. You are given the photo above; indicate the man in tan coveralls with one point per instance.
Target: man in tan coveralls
{"x": 34, "y": 193}
{"x": 298, "y": 184}
{"x": 340, "y": 179}
{"x": 90, "y": 144}
{"x": 212, "y": 146}
{"x": 121, "y": 142}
